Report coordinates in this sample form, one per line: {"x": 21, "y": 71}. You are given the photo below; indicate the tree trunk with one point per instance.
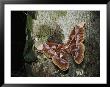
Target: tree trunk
{"x": 41, "y": 28}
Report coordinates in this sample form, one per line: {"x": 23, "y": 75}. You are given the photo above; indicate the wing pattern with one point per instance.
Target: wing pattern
{"x": 59, "y": 53}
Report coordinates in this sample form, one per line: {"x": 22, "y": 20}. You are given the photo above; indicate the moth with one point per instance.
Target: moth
{"x": 59, "y": 53}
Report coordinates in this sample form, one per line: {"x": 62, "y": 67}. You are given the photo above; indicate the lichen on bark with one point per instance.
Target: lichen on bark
{"x": 56, "y": 26}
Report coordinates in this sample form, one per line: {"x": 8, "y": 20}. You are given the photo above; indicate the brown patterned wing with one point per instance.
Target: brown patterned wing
{"x": 75, "y": 43}
{"x": 58, "y": 55}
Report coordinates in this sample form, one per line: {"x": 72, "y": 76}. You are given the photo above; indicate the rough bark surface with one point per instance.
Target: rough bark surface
{"x": 41, "y": 26}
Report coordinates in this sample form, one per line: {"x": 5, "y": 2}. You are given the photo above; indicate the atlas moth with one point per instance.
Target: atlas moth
{"x": 74, "y": 46}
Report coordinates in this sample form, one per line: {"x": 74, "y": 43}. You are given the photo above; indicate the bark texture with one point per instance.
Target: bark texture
{"x": 56, "y": 26}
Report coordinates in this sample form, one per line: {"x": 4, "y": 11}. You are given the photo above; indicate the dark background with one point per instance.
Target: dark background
{"x": 18, "y": 36}
{"x": 57, "y": 1}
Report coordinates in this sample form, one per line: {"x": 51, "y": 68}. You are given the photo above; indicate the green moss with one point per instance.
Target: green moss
{"x": 44, "y": 32}
{"x": 61, "y": 13}
{"x": 58, "y": 14}
{"x": 29, "y": 23}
